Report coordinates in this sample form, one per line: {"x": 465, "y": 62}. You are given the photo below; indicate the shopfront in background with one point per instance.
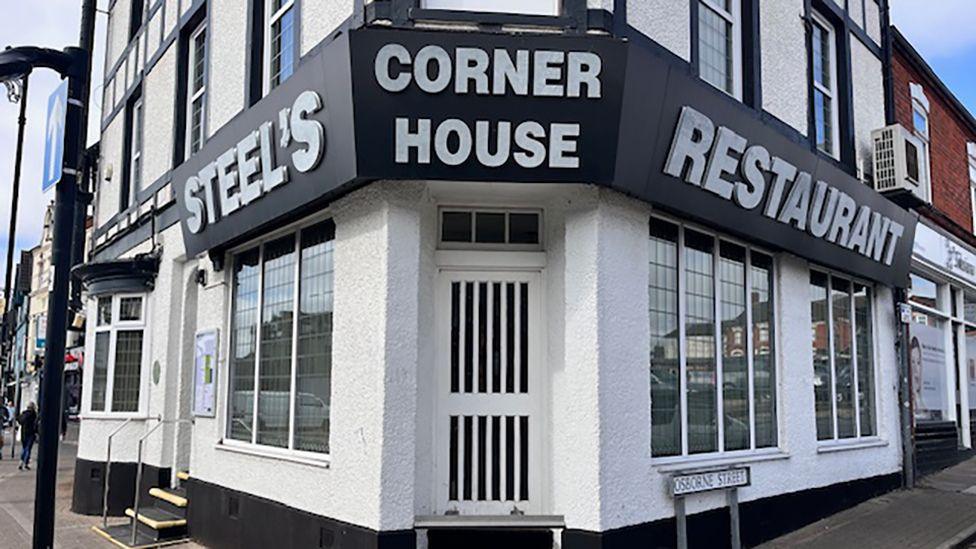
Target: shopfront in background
{"x": 942, "y": 348}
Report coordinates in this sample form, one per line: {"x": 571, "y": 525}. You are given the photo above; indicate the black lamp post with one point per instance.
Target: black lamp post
{"x": 72, "y": 63}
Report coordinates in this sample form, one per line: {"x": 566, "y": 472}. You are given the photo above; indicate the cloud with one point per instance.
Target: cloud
{"x": 55, "y": 24}
{"x": 937, "y": 28}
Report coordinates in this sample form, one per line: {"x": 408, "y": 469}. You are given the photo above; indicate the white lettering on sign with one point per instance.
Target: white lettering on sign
{"x": 722, "y": 162}
{"x": 498, "y": 71}
{"x": 250, "y": 169}
{"x": 712, "y": 480}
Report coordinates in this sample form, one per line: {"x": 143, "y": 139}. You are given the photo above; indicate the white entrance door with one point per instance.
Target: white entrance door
{"x": 489, "y": 413}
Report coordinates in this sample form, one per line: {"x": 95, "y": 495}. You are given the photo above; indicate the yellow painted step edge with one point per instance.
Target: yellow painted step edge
{"x": 176, "y": 500}
{"x": 117, "y": 543}
{"x": 183, "y": 475}
{"x": 156, "y": 524}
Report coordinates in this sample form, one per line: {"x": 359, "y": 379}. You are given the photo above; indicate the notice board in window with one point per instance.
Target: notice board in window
{"x": 205, "y": 373}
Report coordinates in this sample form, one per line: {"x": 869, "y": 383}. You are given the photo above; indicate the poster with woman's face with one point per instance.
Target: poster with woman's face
{"x": 927, "y": 357}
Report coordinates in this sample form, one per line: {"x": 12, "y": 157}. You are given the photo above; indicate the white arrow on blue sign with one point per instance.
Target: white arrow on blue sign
{"x": 57, "y": 107}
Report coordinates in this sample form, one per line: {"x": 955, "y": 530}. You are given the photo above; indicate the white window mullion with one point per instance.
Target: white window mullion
{"x": 854, "y": 362}
{"x": 717, "y": 341}
{"x": 830, "y": 347}
{"x": 257, "y": 347}
{"x": 110, "y": 370}
{"x": 292, "y": 397}
{"x": 682, "y": 342}
{"x": 750, "y": 351}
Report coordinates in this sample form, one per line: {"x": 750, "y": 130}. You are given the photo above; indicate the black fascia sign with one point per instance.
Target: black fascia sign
{"x": 486, "y": 107}
{"x": 290, "y": 151}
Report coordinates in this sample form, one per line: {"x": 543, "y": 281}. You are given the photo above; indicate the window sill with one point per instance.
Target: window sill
{"x": 686, "y": 463}
{"x": 852, "y": 444}
{"x": 278, "y": 455}
{"x": 134, "y": 416}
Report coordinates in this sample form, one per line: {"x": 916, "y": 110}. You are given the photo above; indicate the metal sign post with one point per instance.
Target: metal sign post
{"x": 729, "y": 480}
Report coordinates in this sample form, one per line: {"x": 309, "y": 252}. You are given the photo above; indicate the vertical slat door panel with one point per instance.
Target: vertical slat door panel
{"x": 488, "y": 396}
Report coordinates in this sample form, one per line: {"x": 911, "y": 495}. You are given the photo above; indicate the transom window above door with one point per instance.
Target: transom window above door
{"x": 490, "y": 229}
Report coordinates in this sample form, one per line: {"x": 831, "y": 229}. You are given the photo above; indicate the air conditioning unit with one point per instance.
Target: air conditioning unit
{"x": 899, "y": 163}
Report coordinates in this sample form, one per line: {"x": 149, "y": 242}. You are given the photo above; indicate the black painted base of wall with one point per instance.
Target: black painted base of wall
{"x": 220, "y": 518}
{"x": 761, "y": 520}
{"x": 89, "y": 486}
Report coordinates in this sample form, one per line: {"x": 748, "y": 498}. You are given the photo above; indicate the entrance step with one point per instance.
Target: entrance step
{"x": 159, "y": 524}
{"x": 183, "y": 475}
{"x": 120, "y": 535}
{"x": 171, "y": 500}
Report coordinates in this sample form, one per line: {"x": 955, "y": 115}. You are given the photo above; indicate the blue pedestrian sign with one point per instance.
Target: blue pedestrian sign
{"x": 57, "y": 107}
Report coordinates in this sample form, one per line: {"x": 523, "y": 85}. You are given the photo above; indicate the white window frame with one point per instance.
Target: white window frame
{"x": 253, "y": 447}
{"x": 474, "y": 210}
{"x": 193, "y": 95}
{"x": 775, "y": 449}
{"x": 829, "y": 91}
{"x": 921, "y": 107}
{"x": 858, "y": 439}
{"x": 269, "y": 21}
{"x": 136, "y": 143}
{"x": 539, "y": 7}
{"x": 971, "y": 156}
{"x": 734, "y": 18}
{"x": 113, "y": 328}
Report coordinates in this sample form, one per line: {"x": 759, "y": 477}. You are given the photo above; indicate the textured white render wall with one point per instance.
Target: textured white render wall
{"x": 600, "y": 4}
{"x": 370, "y": 479}
{"x": 801, "y": 467}
{"x": 784, "y": 65}
{"x": 667, "y": 22}
{"x": 321, "y": 17}
{"x": 159, "y": 97}
{"x": 118, "y": 32}
{"x": 107, "y": 193}
{"x": 869, "y": 114}
{"x": 161, "y": 341}
{"x": 228, "y": 58}
{"x": 874, "y": 21}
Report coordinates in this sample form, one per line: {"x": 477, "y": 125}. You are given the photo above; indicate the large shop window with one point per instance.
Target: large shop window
{"x": 823, "y": 50}
{"x": 281, "y": 370}
{"x": 843, "y": 357}
{"x": 720, "y": 44}
{"x": 117, "y": 366}
{"x": 712, "y": 366}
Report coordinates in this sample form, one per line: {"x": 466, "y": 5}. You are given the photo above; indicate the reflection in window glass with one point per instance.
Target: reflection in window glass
{"x": 313, "y": 379}
{"x": 523, "y": 228}
{"x": 735, "y": 364}
{"x": 130, "y": 308}
{"x": 715, "y": 48}
{"x": 104, "y": 311}
{"x": 100, "y": 373}
{"x": 969, "y": 307}
{"x": 923, "y": 291}
{"x": 665, "y": 369}
{"x": 277, "y": 312}
{"x": 128, "y": 363}
{"x": 456, "y": 226}
{"x": 844, "y": 377}
{"x": 700, "y": 343}
{"x": 243, "y": 345}
{"x": 763, "y": 365}
{"x": 822, "y": 378}
{"x": 489, "y": 228}
{"x": 865, "y": 357}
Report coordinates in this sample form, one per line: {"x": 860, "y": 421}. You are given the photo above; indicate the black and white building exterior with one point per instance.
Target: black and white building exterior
{"x": 478, "y": 269}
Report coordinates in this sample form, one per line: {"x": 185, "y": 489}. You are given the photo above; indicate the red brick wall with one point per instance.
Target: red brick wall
{"x": 947, "y": 137}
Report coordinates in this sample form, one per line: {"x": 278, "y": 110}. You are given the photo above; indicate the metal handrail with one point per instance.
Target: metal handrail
{"x": 135, "y": 504}
{"x": 108, "y": 471}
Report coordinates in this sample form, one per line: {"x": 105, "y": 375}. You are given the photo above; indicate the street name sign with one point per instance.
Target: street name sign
{"x": 693, "y": 483}
{"x": 57, "y": 107}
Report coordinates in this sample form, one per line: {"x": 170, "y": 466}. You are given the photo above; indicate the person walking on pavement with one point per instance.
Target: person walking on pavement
{"x": 28, "y": 430}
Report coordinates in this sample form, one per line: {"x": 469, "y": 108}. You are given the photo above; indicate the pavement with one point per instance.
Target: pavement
{"x": 71, "y": 531}
{"x": 940, "y": 513}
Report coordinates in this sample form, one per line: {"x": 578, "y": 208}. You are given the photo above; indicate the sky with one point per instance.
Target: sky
{"x": 54, "y": 24}
{"x": 941, "y": 30}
